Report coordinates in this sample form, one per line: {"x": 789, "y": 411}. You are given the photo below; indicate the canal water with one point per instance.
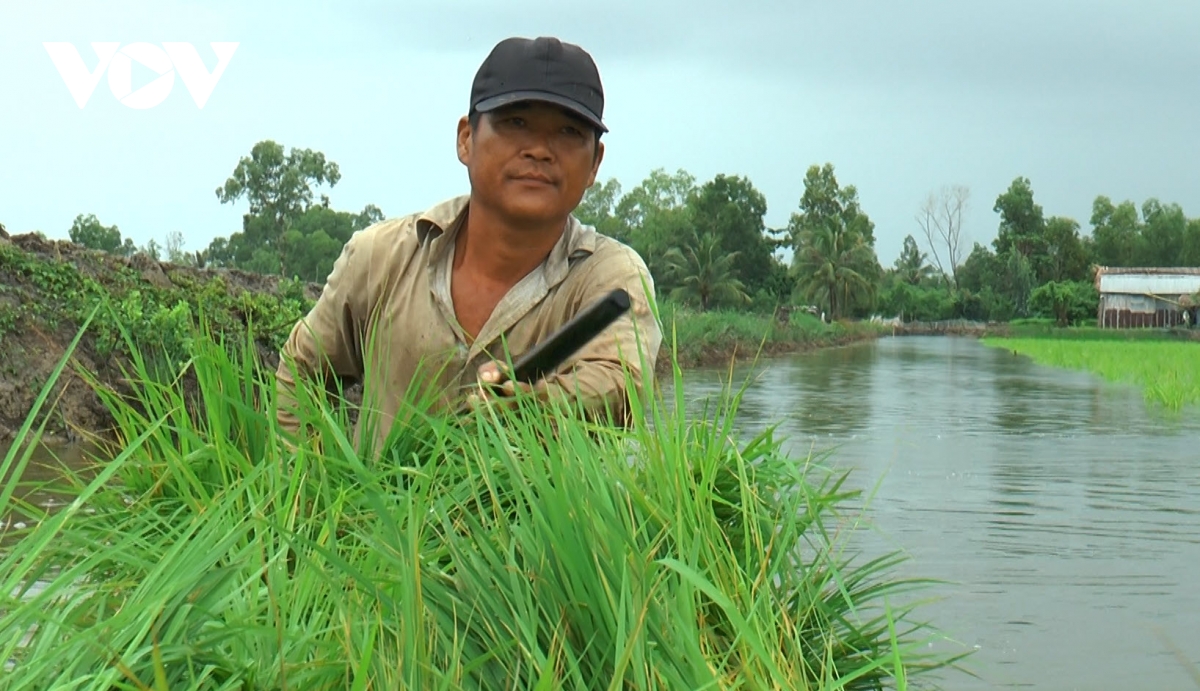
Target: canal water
{"x": 1063, "y": 510}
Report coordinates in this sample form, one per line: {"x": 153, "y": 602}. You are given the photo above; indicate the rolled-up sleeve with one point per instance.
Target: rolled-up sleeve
{"x": 328, "y": 340}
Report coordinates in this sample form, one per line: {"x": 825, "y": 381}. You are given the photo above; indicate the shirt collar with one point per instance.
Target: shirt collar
{"x": 437, "y": 226}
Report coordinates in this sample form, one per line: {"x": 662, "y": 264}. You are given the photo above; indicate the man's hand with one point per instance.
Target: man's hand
{"x": 489, "y": 390}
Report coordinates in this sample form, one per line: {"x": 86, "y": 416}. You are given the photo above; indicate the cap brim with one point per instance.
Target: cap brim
{"x": 520, "y": 96}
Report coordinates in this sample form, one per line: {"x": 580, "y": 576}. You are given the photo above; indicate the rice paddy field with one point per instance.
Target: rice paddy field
{"x": 1168, "y": 371}
{"x": 522, "y": 548}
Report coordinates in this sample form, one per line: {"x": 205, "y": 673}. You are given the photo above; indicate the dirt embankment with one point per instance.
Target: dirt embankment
{"x": 45, "y": 285}
{"x": 722, "y": 355}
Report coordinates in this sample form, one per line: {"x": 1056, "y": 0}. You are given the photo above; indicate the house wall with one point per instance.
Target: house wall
{"x": 1123, "y": 311}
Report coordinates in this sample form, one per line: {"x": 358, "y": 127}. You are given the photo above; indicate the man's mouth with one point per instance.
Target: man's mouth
{"x": 535, "y": 178}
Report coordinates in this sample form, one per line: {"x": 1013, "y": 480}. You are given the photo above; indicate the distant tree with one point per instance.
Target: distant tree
{"x": 1163, "y": 233}
{"x": 92, "y": 234}
{"x": 1190, "y": 254}
{"x": 175, "y": 253}
{"x": 834, "y": 244}
{"x": 729, "y": 208}
{"x": 1067, "y": 258}
{"x": 279, "y": 188}
{"x": 979, "y": 269}
{"x": 779, "y": 287}
{"x": 984, "y": 281}
{"x": 1066, "y": 302}
{"x": 598, "y": 208}
{"x": 1022, "y": 223}
{"x": 1116, "y": 233}
{"x": 911, "y": 266}
{"x": 656, "y": 214}
{"x": 315, "y": 239}
{"x": 1017, "y": 280}
{"x": 941, "y": 219}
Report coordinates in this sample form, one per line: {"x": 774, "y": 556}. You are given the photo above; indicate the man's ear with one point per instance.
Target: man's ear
{"x": 596, "y": 163}
{"x": 464, "y": 140}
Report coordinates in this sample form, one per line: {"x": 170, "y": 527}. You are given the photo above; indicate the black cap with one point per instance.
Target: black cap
{"x": 541, "y": 69}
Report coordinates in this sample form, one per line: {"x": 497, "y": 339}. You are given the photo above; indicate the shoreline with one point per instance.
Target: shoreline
{"x": 746, "y": 352}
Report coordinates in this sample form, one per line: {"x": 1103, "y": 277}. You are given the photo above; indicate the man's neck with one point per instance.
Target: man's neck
{"x": 492, "y": 248}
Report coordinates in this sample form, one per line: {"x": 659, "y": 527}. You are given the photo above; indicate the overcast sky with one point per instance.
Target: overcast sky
{"x": 1083, "y": 97}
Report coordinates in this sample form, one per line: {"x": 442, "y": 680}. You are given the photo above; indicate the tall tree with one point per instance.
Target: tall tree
{"x": 656, "y": 214}
{"x": 730, "y": 209}
{"x": 1190, "y": 255}
{"x": 279, "y": 188}
{"x": 941, "y": 219}
{"x": 1018, "y": 279}
{"x": 1022, "y": 222}
{"x": 1116, "y": 232}
{"x": 1163, "y": 233}
{"x": 911, "y": 266}
{"x": 1066, "y": 257}
{"x": 834, "y": 244}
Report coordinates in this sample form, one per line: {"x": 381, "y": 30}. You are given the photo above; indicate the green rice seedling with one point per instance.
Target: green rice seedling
{"x": 508, "y": 548}
{"x": 1164, "y": 370}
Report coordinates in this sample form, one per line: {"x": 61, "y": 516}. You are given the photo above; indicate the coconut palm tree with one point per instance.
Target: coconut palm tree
{"x": 834, "y": 262}
{"x": 703, "y": 273}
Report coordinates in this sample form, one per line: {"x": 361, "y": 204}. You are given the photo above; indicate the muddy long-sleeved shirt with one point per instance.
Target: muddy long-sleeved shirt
{"x": 386, "y": 318}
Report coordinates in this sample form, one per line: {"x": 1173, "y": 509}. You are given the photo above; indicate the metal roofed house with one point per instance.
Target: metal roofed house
{"x": 1139, "y": 297}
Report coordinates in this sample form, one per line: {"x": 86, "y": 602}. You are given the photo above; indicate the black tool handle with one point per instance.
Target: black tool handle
{"x": 550, "y": 354}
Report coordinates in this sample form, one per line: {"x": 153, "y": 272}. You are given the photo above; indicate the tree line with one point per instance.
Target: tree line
{"x": 707, "y": 244}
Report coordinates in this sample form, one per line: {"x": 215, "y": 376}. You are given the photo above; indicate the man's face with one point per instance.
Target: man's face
{"x": 531, "y": 161}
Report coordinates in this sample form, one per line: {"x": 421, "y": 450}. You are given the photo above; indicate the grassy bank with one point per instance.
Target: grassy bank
{"x": 1045, "y": 328}
{"x": 714, "y": 338}
{"x": 1165, "y": 370}
{"x": 516, "y": 549}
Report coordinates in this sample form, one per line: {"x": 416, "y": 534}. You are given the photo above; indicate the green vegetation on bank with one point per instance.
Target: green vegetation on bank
{"x": 44, "y": 289}
{"x": 713, "y": 337}
{"x": 1047, "y": 328}
{"x": 47, "y": 288}
{"x": 1165, "y": 370}
{"x": 515, "y": 549}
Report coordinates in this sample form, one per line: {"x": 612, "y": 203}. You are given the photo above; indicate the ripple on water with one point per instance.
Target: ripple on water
{"x": 1063, "y": 510}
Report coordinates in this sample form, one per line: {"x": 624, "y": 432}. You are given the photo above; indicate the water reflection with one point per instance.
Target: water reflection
{"x": 1065, "y": 510}
{"x": 44, "y": 481}
{"x": 847, "y": 374}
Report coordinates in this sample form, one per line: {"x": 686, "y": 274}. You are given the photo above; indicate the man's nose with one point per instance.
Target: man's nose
{"x": 538, "y": 148}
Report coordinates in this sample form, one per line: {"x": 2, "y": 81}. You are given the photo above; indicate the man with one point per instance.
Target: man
{"x": 429, "y": 302}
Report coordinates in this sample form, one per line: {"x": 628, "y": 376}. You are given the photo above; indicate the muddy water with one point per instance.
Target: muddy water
{"x": 1065, "y": 511}
{"x": 43, "y": 482}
